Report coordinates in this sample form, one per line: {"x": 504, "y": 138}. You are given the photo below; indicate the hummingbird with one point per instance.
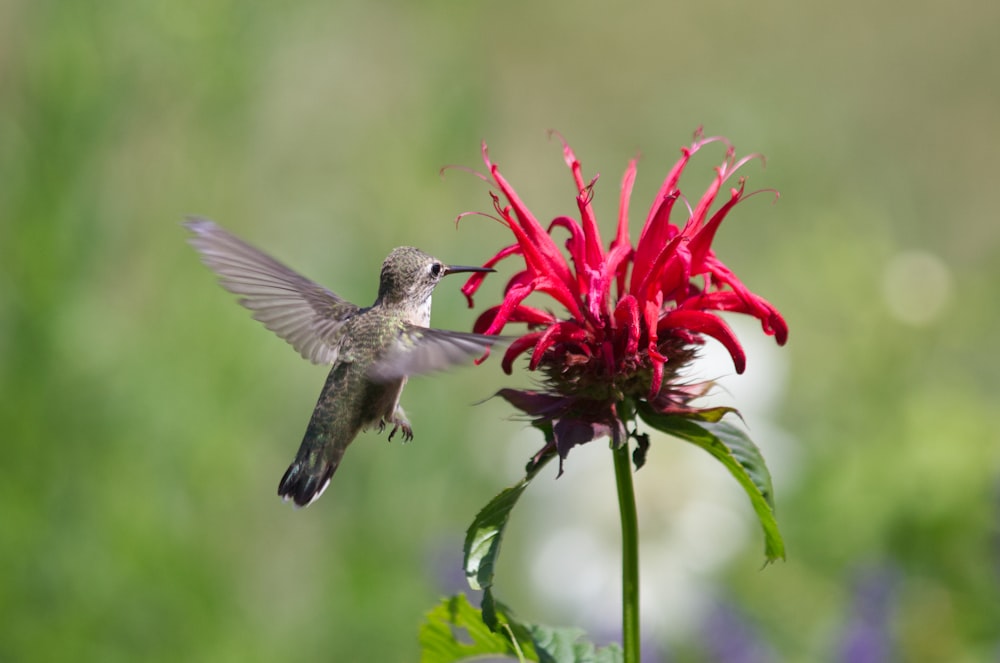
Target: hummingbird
{"x": 372, "y": 350}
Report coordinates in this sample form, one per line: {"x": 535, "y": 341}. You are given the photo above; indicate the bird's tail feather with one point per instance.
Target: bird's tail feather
{"x": 304, "y": 481}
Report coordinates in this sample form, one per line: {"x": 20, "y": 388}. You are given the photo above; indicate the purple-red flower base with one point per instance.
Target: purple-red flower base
{"x": 634, "y": 314}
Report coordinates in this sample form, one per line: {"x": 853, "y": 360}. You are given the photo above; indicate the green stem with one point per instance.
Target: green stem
{"x": 630, "y": 553}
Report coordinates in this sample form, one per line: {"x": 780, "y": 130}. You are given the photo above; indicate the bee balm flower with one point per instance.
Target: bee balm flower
{"x": 633, "y": 314}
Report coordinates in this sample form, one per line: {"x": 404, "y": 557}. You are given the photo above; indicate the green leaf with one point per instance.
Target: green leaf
{"x": 483, "y": 538}
{"x": 734, "y": 449}
{"x": 711, "y": 414}
{"x": 454, "y": 631}
{"x": 562, "y": 645}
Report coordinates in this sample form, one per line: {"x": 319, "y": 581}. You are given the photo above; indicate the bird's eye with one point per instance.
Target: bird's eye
{"x": 436, "y": 269}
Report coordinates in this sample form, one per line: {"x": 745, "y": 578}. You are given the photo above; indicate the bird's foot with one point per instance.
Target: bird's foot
{"x": 399, "y": 423}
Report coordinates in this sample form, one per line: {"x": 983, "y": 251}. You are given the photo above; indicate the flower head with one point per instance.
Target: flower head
{"x": 634, "y": 314}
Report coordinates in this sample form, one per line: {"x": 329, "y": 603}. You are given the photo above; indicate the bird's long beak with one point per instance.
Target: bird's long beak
{"x": 457, "y": 269}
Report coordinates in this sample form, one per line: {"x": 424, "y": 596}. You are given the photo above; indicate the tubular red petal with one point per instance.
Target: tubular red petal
{"x": 697, "y": 217}
{"x": 674, "y": 253}
{"x": 775, "y": 323}
{"x": 520, "y": 314}
{"x": 547, "y": 254}
{"x": 591, "y": 233}
{"x": 720, "y": 300}
{"x": 523, "y": 278}
{"x": 576, "y": 247}
{"x": 655, "y": 235}
{"x": 628, "y": 181}
{"x": 485, "y": 319}
{"x": 616, "y": 268}
{"x": 558, "y": 291}
{"x": 571, "y": 161}
{"x": 709, "y": 324}
{"x": 650, "y": 316}
{"x": 476, "y": 279}
{"x": 701, "y": 241}
{"x": 531, "y": 316}
{"x": 627, "y": 318}
{"x": 514, "y": 297}
{"x": 657, "y": 379}
{"x": 543, "y": 343}
{"x": 595, "y": 249}
{"x": 675, "y": 277}
{"x": 516, "y": 349}
{"x": 558, "y": 288}
{"x": 749, "y": 303}
{"x": 656, "y": 231}
{"x": 598, "y": 289}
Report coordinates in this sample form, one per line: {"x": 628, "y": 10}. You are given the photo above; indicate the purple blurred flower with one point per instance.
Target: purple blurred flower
{"x": 730, "y": 638}
{"x": 866, "y": 637}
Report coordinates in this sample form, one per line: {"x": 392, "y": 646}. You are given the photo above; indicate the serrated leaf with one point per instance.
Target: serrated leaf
{"x": 737, "y": 452}
{"x": 563, "y": 645}
{"x": 484, "y": 536}
{"x": 454, "y": 631}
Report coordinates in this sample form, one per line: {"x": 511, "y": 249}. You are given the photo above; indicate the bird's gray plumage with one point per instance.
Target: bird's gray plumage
{"x": 307, "y": 315}
{"x": 372, "y": 349}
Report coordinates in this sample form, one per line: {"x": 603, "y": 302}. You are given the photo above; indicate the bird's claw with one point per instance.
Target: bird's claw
{"x": 407, "y": 431}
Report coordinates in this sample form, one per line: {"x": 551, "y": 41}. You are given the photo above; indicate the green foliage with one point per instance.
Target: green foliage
{"x": 736, "y": 451}
{"x": 484, "y": 536}
{"x": 563, "y": 645}
{"x": 454, "y": 631}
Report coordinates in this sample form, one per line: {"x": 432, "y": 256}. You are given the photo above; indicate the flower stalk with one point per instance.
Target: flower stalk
{"x": 630, "y": 553}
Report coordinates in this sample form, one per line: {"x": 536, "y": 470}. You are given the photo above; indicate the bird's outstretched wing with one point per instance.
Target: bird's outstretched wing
{"x": 307, "y": 315}
{"x": 422, "y": 350}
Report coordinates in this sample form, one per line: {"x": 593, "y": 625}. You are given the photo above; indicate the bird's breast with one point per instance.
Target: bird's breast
{"x": 422, "y": 314}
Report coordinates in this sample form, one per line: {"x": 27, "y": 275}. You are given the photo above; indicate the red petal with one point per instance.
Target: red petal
{"x": 701, "y": 242}
{"x": 540, "y": 251}
{"x": 616, "y": 261}
{"x": 741, "y": 300}
{"x": 627, "y": 318}
{"x": 657, "y": 381}
{"x": 514, "y": 297}
{"x": 485, "y": 319}
{"x": 520, "y": 313}
{"x": 543, "y": 343}
{"x": 697, "y": 217}
{"x": 674, "y": 254}
{"x": 628, "y": 181}
{"x": 476, "y": 280}
{"x": 591, "y": 233}
{"x": 576, "y": 247}
{"x": 656, "y": 231}
{"x": 711, "y": 325}
{"x": 656, "y": 234}
{"x": 516, "y": 348}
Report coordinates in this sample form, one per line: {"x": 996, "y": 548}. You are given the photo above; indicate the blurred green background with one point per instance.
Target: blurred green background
{"x": 146, "y": 419}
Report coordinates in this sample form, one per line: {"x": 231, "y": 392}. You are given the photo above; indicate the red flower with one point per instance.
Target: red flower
{"x": 633, "y": 316}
